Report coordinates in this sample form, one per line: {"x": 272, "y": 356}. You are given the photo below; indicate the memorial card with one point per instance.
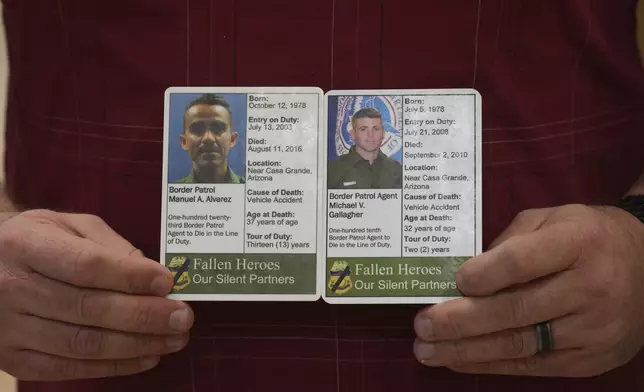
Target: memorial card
{"x": 402, "y": 208}
{"x": 241, "y": 193}
{"x": 287, "y": 194}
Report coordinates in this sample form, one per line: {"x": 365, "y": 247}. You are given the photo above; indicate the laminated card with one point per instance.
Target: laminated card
{"x": 241, "y": 195}
{"x": 403, "y": 199}
{"x": 288, "y": 194}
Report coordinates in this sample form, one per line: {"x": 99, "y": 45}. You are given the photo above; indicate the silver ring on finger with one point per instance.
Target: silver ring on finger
{"x": 545, "y": 341}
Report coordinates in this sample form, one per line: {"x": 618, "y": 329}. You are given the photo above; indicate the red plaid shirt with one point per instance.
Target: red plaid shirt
{"x": 563, "y": 95}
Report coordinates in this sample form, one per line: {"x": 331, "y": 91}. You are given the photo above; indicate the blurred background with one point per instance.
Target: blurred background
{"x": 7, "y": 384}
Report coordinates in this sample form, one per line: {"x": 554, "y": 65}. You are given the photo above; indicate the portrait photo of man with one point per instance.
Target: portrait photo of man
{"x": 208, "y": 137}
{"x": 365, "y": 166}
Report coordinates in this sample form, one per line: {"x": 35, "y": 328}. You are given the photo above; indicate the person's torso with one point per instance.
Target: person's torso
{"x": 351, "y": 171}
{"x": 563, "y": 94}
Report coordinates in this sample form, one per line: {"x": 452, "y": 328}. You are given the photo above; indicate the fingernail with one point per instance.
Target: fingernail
{"x": 175, "y": 342}
{"x": 161, "y": 285}
{"x": 423, "y": 327}
{"x": 149, "y": 362}
{"x": 179, "y": 320}
{"x": 424, "y": 351}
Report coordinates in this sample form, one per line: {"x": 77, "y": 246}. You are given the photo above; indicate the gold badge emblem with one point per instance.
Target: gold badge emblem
{"x": 340, "y": 278}
{"x": 179, "y": 267}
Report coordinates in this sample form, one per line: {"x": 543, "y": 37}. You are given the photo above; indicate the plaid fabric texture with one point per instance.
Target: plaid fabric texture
{"x": 563, "y": 96}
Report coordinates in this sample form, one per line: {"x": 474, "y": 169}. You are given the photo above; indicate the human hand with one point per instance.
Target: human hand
{"x": 579, "y": 267}
{"x": 78, "y": 301}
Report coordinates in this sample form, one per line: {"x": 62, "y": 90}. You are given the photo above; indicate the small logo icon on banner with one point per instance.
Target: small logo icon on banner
{"x": 340, "y": 278}
{"x": 179, "y": 267}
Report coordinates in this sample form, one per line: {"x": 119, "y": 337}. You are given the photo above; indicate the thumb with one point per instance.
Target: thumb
{"x": 137, "y": 253}
{"x": 525, "y": 222}
{"x": 97, "y": 230}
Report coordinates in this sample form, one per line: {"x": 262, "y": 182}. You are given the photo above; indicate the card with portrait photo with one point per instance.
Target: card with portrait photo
{"x": 241, "y": 190}
{"x": 402, "y": 205}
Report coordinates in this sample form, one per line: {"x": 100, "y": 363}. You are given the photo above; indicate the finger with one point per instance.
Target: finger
{"x": 54, "y": 300}
{"x": 525, "y": 222}
{"x": 520, "y": 259}
{"x": 97, "y": 230}
{"x": 528, "y": 305}
{"x": 80, "y": 342}
{"x": 83, "y": 263}
{"x": 136, "y": 252}
{"x": 507, "y": 344}
{"x": 565, "y": 363}
{"x": 45, "y": 367}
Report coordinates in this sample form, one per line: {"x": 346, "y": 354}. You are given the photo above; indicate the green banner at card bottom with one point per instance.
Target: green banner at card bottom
{"x": 393, "y": 277}
{"x": 243, "y": 273}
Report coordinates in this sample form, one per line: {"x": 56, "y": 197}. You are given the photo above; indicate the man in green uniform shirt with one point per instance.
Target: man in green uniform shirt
{"x": 208, "y": 137}
{"x": 365, "y": 166}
